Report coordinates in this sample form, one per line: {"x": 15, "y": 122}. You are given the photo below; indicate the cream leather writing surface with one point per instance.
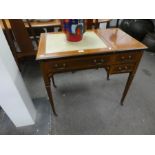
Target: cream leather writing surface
{"x": 58, "y": 43}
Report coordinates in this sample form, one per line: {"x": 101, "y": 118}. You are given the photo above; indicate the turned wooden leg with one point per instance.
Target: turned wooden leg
{"x": 53, "y": 81}
{"x": 128, "y": 83}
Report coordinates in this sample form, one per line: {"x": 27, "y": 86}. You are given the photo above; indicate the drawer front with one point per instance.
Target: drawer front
{"x": 117, "y": 63}
{"x": 121, "y": 68}
{"x": 78, "y": 63}
{"x": 126, "y": 57}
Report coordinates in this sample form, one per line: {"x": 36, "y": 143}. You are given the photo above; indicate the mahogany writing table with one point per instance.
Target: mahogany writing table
{"x": 120, "y": 53}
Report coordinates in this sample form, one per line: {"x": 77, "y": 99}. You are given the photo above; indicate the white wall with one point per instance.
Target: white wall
{"x": 14, "y": 98}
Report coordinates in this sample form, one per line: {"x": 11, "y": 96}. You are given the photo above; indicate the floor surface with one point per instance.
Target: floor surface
{"x": 87, "y": 103}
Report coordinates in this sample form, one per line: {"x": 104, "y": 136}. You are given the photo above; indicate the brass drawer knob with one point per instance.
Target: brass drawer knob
{"x": 56, "y": 65}
{"x": 130, "y": 56}
{"x": 95, "y": 60}
{"x": 126, "y": 67}
{"x": 119, "y": 68}
{"x": 122, "y": 57}
{"x": 64, "y": 65}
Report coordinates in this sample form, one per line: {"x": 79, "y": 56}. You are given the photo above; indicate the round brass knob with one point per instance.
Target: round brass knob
{"x": 95, "y": 60}
{"x": 126, "y": 67}
{"x": 130, "y": 56}
{"x": 120, "y": 68}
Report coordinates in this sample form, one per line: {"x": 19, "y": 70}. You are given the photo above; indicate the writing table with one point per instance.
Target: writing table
{"x": 111, "y": 49}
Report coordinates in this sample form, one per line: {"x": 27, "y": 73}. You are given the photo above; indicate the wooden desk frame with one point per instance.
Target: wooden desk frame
{"x": 118, "y": 58}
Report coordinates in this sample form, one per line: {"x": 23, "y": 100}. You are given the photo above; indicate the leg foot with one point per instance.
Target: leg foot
{"x": 53, "y": 82}
{"x": 107, "y": 70}
{"x": 108, "y": 76}
{"x": 128, "y": 83}
{"x": 121, "y": 103}
{"x": 51, "y": 99}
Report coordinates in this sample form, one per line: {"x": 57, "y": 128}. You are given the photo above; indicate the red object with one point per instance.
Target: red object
{"x": 73, "y": 28}
{"x": 73, "y": 38}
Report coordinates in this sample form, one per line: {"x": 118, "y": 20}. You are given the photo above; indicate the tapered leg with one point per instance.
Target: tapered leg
{"x": 107, "y": 70}
{"x": 128, "y": 83}
{"x": 47, "y": 81}
{"x": 48, "y": 88}
{"x": 53, "y": 81}
{"x": 108, "y": 75}
{"x": 130, "y": 78}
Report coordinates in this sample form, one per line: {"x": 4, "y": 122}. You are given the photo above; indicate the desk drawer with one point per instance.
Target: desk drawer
{"x": 78, "y": 63}
{"x": 125, "y": 68}
{"x": 130, "y": 57}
